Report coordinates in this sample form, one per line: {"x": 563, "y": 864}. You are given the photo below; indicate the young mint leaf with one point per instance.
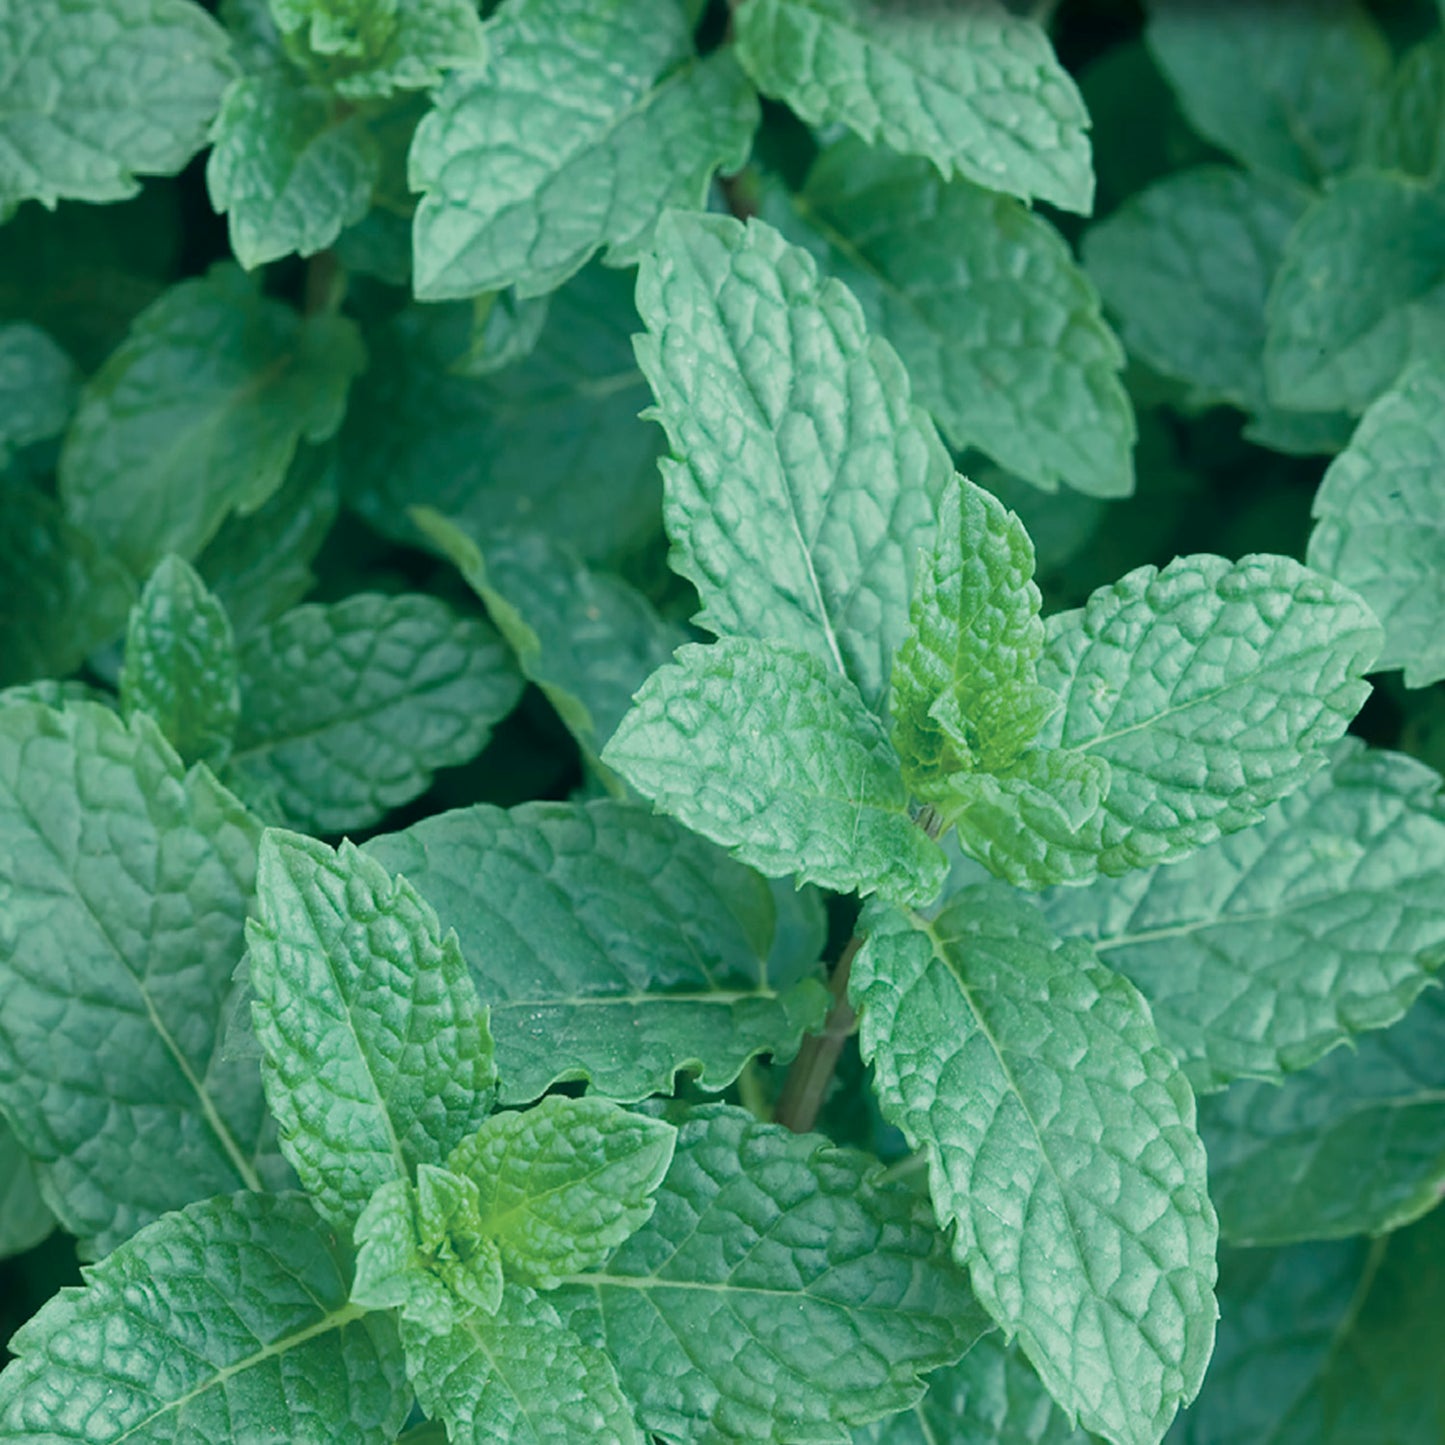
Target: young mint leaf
{"x": 1061, "y": 1147}
{"x": 1267, "y": 949}
{"x": 1285, "y": 87}
{"x": 1341, "y": 325}
{"x": 38, "y": 385}
{"x": 620, "y": 119}
{"x": 288, "y": 168}
{"x": 1406, "y": 127}
{"x": 562, "y": 1185}
{"x": 806, "y": 479}
{"x": 100, "y": 91}
{"x": 1380, "y": 520}
{"x": 976, "y": 90}
{"x": 519, "y": 1376}
{"x": 505, "y": 329}
{"x": 762, "y": 748}
{"x": 999, "y": 329}
{"x": 180, "y": 664}
{"x": 409, "y": 1074}
{"x": 779, "y": 1293}
{"x": 115, "y": 966}
{"x": 227, "y": 1321}
{"x": 1351, "y": 1146}
{"x": 612, "y": 945}
{"x": 214, "y": 381}
{"x": 348, "y": 708}
{"x": 24, "y": 1219}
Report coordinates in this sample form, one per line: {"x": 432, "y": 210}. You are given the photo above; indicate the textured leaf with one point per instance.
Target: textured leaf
{"x": 180, "y": 664}
{"x": 126, "y": 882}
{"x": 1265, "y": 950}
{"x": 287, "y": 168}
{"x": 611, "y": 945}
{"x": 592, "y": 117}
{"x": 98, "y": 92}
{"x": 24, "y": 1219}
{"x": 227, "y": 1321}
{"x": 1342, "y": 326}
{"x": 806, "y": 480}
{"x": 999, "y": 329}
{"x": 348, "y": 708}
{"x": 976, "y": 90}
{"x": 1061, "y": 1147}
{"x": 38, "y": 385}
{"x": 1283, "y": 87}
{"x": 214, "y": 382}
{"x": 1406, "y": 129}
{"x": 377, "y": 1056}
{"x": 779, "y": 1293}
{"x": 1380, "y": 520}
{"x": 761, "y": 748}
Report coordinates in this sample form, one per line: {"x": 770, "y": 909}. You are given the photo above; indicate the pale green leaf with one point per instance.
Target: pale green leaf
{"x": 975, "y": 89}
{"x": 779, "y": 1294}
{"x": 591, "y": 119}
{"x": 376, "y": 1054}
{"x": 762, "y": 748}
{"x": 198, "y": 413}
{"x": 227, "y": 1321}
{"x": 348, "y": 708}
{"x": 1061, "y": 1148}
{"x": 611, "y": 945}
{"x": 1406, "y": 129}
{"x": 806, "y": 480}
{"x": 24, "y": 1218}
{"x": 38, "y": 386}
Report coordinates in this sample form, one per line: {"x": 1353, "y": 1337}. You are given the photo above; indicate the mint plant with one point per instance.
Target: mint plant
{"x": 871, "y": 902}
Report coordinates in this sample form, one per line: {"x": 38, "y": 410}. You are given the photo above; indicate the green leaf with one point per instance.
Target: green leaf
{"x": 377, "y": 1056}
{"x": 806, "y": 479}
{"x": 98, "y": 92}
{"x": 760, "y": 747}
{"x": 180, "y": 664}
{"x": 1406, "y": 129}
{"x": 1061, "y": 1149}
{"x": 214, "y": 381}
{"x": 1342, "y": 326}
{"x": 999, "y": 329}
{"x": 779, "y": 1293}
{"x": 288, "y": 168}
{"x": 1380, "y": 520}
{"x": 1267, "y": 949}
{"x": 348, "y": 708}
{"x": 612, "y": 945}
{"x": 550, "y": 444}
{"x": 1285, "y": 88}
{"x": 519, "y": 1376}
{"x": 976, "y": 90}
{"x": 126, "y": 883}
{"x": 563, "y": 1184}
{"x": 620, "y": 118}
{"x": 38, "y": 385}
{"x": 227, "y": 1321}
{"x": 24, "y": 1218}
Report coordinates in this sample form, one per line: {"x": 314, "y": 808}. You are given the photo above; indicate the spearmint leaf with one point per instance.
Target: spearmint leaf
{"x": 38, "y": 385}
{"x": 505, "y": 329}
{"x": 1380, "y": 520}
{"x": 1061, "y": 1147}
{"x": 1265, "y": 950}
{"x": 760, "y": 747}
{"x": 620, "y": 118}
{"x": 806, "y": 480}
{"x": 227, "y": 1321}
{"x": 24, "y": 1219}
{"x": 519, "y": 1376}
{"x": 1354, "y": 1145}
{"x": 214, "y": 381}
{"x": 1342, "y": 326}
{"x": 348, "y": 708}
{"x": 125, "y": 952}
{"x": 377, "y": 1056}
{"x": 779, "y": 1293}
{"x": 180, "y": 664}
{"x": 976, "y": 90}
{"x": 288, "y": 168}
{"x": 1406, "y": 129}
{"x": 98, "y": 92}
{"x": 1284, "y": 88}
{"x": 562, "y": 1185}
{"x": 998, "y": 327}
